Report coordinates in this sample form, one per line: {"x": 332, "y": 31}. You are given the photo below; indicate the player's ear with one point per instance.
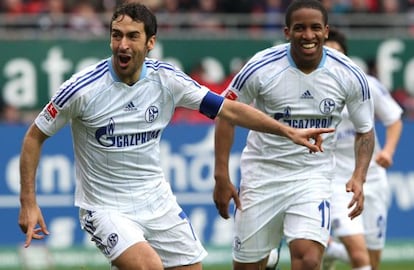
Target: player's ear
{"x": 327, "y": 32}
{"x": 286, "y": 32}
{"x": 151, "y": 42}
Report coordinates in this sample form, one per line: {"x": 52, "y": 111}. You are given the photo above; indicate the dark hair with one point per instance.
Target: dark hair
{"x": 138, "y": 13}
{"x": 337, "y": 36}
{"x": 299, "y": 4}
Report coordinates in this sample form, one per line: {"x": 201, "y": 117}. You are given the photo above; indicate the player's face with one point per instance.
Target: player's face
{"x": 307, "y": 34}
{"x": 129, "y": 48}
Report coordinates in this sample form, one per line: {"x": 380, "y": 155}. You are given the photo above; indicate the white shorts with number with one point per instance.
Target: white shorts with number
{"x": 163, "y": 224}
{"x": 373, "y": 220}
{"x": 293, "y": 209}
{"x": 376, "y": 204}
{"x": 342, "y": 225}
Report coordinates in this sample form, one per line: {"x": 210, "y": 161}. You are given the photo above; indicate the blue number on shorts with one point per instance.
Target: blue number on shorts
{"x": 325, "y": 205}
{"x": 381, "y": 226}
{"x": 183, "y": 215}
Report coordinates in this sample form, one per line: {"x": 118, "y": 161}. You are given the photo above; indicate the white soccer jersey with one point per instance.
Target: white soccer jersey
{"x": 387, "y": 110}
{"x": 273, "y": 83}
{"x": 117, "y": 128}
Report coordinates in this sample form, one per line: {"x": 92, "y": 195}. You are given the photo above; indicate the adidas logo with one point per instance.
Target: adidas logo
{"x": 306, "y": 95}
{"x": 130, "y": 107}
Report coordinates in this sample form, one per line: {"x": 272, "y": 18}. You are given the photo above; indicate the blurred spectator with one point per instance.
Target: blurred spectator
{"x": 204, "y": 16}
{"x": 12, "y": 7}
{"x": 359, "y": 6}
{"x": 35, "y": 6}
{"x": 108, "y": 6}
{"x": 53, "y": 15}
{"x": 85, "y": 20}
{"x": 169, "y": 8}
{"x": 272, "y": 10}
{"x": 337, "y": 6}
{"x": 154, "y": 5}
{"x": 390, "y": 6}
{"x": 243, "y": 6}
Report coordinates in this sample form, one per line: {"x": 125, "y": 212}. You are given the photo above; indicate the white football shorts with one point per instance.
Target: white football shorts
{"x": 342, "y": 225}
{"x": 272, "y": 210}
{"x": 373, "y": 220}
{"x": 376, "y": 204}
{"x": 162, "y": 223}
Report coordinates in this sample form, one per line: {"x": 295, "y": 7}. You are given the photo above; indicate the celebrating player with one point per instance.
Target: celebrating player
{"x": 284, "y": 190}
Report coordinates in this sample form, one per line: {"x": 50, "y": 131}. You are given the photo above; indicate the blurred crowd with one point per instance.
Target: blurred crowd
{"x": 216, "y": 6}
{"x": 92, "y": 13}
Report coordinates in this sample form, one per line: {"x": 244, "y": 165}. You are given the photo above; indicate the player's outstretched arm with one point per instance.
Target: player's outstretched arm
{"x": 246, "y": 116}
{"x": 30, "y": 216}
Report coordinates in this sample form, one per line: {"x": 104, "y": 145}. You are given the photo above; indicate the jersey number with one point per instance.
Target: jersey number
{"x": 325, "y": 209}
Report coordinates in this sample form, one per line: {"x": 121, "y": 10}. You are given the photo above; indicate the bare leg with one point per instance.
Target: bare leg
{"x": 375, "y": 258}
{"x": 139, "y": 256}
{"x": 305, "y": 254}
{"x": 357, "y": 250}
{"x": 261, "y": 265}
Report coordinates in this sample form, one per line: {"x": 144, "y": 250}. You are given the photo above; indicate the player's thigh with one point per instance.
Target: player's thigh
{"x": 306, "y": 250}
{"x": 354, "y": 242}
{"x": 356, "y": 248}
{"x": 174, "y": 239}
{"x": 138, "y": 256}
{"x": 308, "y": 216}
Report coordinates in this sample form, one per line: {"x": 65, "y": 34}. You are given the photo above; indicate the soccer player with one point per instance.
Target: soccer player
{"x": 118, "y": 109}
{"x": 364, "y": 236}
{"x": 285, "y": 191}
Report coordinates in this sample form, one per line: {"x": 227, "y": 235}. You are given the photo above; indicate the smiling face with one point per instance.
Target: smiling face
{"x": 307, "y": 33}
{"x": 130, "y": 45}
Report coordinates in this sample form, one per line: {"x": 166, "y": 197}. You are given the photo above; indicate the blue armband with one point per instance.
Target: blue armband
{"x": 211, "y": 104}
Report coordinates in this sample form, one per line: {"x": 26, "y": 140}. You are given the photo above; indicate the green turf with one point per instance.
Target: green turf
{"x": 396, "y": 256}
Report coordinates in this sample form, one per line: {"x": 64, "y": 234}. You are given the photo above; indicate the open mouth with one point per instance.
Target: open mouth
{"x": 309, "y": 45}
{"x": 124, "y": 60}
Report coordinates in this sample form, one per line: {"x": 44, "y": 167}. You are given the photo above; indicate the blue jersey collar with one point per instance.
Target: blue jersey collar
{"x": 293, "y": 64}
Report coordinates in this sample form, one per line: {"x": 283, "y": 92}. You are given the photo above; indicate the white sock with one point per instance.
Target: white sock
{"x": 337, "y": 250}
